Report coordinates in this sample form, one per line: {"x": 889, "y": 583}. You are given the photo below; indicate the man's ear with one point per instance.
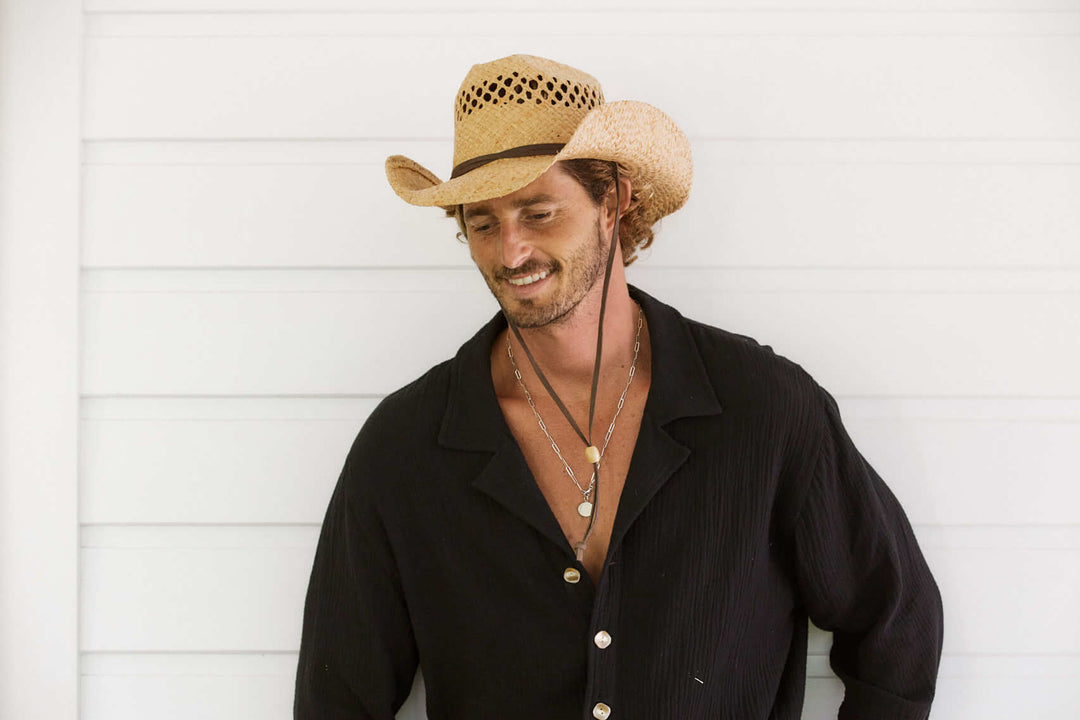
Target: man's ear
{"x": 459, "y": 215}
{"x": 625, "y": 190}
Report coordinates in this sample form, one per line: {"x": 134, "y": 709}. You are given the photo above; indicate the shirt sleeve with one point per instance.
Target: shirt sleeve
{"x": 357, "y": 653}
{"x": 863, "y": 577}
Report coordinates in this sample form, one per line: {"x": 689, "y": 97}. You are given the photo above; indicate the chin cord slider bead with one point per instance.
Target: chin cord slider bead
{"x": 592, "y": 454}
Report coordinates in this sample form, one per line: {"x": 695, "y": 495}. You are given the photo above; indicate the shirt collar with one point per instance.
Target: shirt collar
{"x": 680, "y": 386}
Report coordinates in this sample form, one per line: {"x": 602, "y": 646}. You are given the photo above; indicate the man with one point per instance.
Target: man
{"x": 599, "y": 508}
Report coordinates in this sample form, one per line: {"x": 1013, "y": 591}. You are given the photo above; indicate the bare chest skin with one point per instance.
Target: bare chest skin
{"x": 562, "y": 496}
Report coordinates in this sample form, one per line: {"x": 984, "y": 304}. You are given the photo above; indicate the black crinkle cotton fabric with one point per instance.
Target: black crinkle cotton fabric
{"x": 746, "y": 511}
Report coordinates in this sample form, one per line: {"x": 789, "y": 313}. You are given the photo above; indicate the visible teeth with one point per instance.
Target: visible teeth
{"x": 528, "y": 280}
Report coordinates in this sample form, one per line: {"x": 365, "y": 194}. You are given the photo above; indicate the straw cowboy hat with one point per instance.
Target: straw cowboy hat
{"x": 517, "y": 116}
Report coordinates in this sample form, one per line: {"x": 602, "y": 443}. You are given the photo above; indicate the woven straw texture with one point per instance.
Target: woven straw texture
{"x": 525, "y": 100}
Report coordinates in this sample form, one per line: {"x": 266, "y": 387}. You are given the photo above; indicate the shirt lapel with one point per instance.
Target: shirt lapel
{"x": 474, "y": 421}
{"x": 679, "y": 388}
{"x": 508, "y": 480}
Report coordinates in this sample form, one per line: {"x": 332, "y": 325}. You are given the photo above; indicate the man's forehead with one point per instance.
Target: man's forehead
{"x": 486, "y": 206}
{"x": 544, "y": 189}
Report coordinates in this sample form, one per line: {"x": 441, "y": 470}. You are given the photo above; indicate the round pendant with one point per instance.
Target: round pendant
{"x": 584, "y": 509}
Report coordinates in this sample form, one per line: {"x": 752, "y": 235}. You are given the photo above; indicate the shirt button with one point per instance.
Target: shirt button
{"x": 602, "y": 639}
{"x": 571, "y": 575}
{"x": 600, "y": 711}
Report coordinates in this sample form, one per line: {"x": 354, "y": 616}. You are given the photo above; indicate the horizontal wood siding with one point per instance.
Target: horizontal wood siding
{"x": 755, "y": 203}
{"x": 888, "y": 193}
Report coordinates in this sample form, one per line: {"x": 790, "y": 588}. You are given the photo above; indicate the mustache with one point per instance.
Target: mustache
{"x": 530, "y": 267}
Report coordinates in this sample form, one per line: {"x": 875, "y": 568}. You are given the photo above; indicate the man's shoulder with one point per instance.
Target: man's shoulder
{"x": 413, "y": 418}
{"x": 427, "y": 398}
{"x": 752, "y": 374}
{"x": 402, "y": 429}
{"x": 727, "y": 352}
{"x": 769, "y": 395}
{"x": 415, "y": 405}
{"x": 742, "y": 372}
{"x": 716, "y": 341}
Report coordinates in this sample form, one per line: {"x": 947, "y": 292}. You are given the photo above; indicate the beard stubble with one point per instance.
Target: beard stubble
{"x": 585, "y": 266}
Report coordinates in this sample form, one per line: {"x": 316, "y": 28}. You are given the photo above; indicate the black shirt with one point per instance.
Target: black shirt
{"x": 745, "y": 511}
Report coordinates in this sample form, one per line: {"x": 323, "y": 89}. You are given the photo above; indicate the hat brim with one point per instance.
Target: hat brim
{"x": 635, "y": 134}
{"x": 417, "y": 185}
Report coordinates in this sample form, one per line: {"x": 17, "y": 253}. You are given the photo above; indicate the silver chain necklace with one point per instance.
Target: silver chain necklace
{"x": 585, "y": 509}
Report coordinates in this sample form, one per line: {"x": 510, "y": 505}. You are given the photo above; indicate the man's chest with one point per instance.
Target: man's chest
{"x": 556, "y": 458}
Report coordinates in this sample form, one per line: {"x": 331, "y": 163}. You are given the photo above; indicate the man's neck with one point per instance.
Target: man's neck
{"x": 566, "y": 350}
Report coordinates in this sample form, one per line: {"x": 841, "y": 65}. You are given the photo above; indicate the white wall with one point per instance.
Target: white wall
{"x": 888, "y": 192}
{"x": 40, "y": 83}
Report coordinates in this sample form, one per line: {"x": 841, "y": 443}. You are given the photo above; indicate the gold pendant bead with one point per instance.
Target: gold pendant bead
{"x": 592, "y": 454}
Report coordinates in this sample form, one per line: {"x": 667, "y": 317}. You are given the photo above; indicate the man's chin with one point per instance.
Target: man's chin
{"x": 549, "y": 307}
{"x": 526, "y": 316}
{"x": 530, "y": 314}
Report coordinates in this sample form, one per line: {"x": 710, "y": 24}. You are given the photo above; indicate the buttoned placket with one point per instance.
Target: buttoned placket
{"x": 600, "y": 700}
{"x": 663, "y": 456}
{"x": 656, "y": 457}
{"x": 599, "y": 636}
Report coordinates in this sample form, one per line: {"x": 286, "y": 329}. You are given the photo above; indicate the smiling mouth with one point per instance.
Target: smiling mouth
{"x": 528, "y": 279}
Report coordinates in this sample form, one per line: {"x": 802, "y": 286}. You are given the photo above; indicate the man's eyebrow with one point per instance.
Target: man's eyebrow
{"x": 517, "y": 204}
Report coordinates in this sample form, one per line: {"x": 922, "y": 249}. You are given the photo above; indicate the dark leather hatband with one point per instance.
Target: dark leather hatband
{"x": 520, "y": 151}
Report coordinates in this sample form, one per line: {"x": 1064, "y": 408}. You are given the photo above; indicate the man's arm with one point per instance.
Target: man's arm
{"x": 357, "y": 654}
{"x": 863, "y": 577}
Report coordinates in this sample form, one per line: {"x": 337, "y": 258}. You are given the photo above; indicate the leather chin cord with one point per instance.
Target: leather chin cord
{"x": 579, "y": 547}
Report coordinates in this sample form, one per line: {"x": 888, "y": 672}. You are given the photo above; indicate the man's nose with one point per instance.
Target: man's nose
{"x": 514, "y": 248}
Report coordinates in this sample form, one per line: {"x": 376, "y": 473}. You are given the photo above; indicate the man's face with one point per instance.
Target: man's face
{"x": 540, "y": 249}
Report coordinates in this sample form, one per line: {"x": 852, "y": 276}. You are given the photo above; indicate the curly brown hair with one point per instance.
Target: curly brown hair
{"x": 597, "y": 177}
